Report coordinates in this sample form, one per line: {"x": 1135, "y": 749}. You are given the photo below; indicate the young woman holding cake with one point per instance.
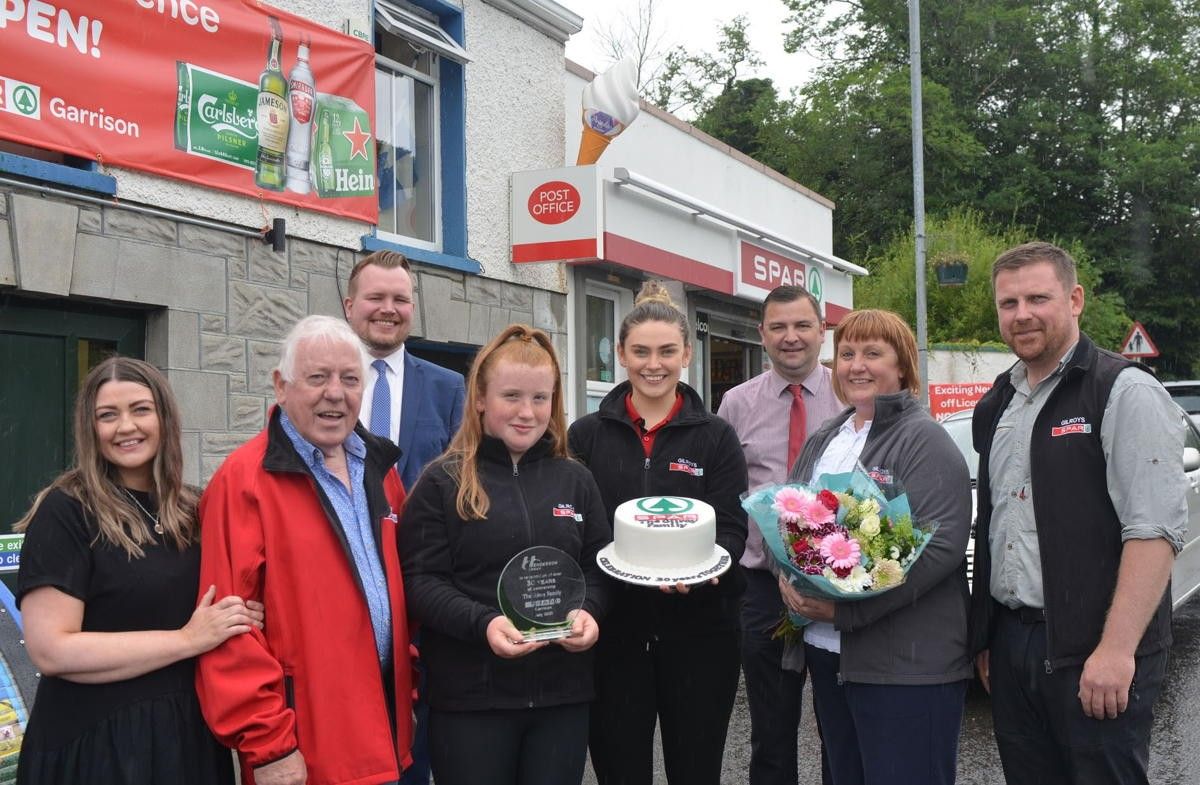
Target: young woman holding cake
{"x": 667, "y": 653}
{"x": 502, "y": 710}
{"x": 107, "y": 589}
{"x": 889, "y": 673}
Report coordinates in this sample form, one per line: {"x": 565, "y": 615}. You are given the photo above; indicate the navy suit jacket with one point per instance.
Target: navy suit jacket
{"x": 429, "y": 417}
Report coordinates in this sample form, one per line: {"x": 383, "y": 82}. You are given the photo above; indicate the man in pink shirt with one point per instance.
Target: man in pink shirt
{"x": 772, "y": 414}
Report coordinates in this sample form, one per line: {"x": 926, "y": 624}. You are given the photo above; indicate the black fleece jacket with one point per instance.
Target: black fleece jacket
{"x": 696, "y": 455}
{"x": 452, "y": 566}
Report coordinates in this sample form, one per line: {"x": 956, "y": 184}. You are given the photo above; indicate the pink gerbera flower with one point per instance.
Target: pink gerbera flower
{"x": 799, "y": 506}
{"x": 840, "y": 551}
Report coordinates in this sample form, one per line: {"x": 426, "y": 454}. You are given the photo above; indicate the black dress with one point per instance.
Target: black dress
{"x": 142, "y": 731}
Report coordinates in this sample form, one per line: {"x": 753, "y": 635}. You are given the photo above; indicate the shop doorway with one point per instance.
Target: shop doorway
{"x": 46, "y": 349}
{"x": 731, "y": 362}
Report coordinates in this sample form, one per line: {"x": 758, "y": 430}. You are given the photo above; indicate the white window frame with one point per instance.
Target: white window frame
{"x": 392, "y": 69}
{"x": 622, "y": 302}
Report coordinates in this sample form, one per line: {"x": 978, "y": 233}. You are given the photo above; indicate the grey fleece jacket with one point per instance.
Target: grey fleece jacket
{"x": 917, "y": 632}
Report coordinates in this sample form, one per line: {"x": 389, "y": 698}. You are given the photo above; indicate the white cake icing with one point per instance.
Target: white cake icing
{"x": 664, "y": 532}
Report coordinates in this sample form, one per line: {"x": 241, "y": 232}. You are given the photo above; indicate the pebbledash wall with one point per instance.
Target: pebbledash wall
{"x": 217, "y": 303}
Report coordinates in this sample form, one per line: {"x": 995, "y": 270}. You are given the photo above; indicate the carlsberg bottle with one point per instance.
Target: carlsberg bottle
{"x": 302, "y": 100}
{"x": 272, "y": 117}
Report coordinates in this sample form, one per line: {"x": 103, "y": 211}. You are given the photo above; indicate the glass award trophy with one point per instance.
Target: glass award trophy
{"x": 540, "y": 590}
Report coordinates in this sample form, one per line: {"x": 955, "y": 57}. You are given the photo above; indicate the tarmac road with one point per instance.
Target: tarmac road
{"x": 1175, "y": 749}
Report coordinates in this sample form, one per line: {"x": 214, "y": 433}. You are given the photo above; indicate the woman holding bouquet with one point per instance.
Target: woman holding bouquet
{"x": 668, "y": 653}
{"x": 889, "y": 672}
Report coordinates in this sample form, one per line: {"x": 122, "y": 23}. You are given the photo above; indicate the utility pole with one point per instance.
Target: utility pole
{"x": 918, "y": 146}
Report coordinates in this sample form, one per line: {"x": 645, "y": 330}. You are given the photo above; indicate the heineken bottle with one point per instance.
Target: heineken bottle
{"x": 271, "y": 169}
{"x": 325, "y": 180}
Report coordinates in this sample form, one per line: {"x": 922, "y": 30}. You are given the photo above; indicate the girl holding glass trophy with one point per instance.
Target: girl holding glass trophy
{"x": 499, "y": 540}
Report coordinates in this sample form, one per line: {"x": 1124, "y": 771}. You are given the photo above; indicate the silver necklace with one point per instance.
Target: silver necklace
{"x": 158, "y": 527}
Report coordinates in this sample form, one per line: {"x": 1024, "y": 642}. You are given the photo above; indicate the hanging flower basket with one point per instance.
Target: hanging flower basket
{"x": 952, "y": 272}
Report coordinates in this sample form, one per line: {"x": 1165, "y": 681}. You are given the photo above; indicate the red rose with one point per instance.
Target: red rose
{"x": 842, "y": 572}
{"x": 828, "y": 499}
{"x": 799, "y": 546}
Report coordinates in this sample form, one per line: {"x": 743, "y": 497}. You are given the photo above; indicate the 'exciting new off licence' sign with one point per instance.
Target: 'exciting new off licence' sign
{"x": 231, "y": 94}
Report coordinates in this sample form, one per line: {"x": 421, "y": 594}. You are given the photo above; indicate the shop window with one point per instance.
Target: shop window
{"x": 604, "y": 308}
{"x": 420, "y": 128}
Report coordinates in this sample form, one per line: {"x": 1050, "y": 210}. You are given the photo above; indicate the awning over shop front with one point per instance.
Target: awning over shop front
{"x": 586, "y": 214}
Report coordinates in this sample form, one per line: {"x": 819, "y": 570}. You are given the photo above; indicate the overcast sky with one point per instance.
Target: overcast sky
{"x": 695, "y": 23}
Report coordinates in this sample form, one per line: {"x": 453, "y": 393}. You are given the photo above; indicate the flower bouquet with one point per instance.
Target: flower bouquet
{"x": 843, "y": 537}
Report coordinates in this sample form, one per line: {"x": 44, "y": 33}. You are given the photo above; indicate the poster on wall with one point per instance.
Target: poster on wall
{"x": 230, "y": 94}
{"x": 947, "y": 399}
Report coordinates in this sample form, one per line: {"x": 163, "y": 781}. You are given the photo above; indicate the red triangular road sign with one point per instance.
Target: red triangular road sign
{"x": 1138, "y": 343}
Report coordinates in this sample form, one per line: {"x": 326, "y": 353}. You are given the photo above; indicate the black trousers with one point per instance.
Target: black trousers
{"x": 775, "y": 695}
{"x": 1043, "y": 735}
{"x": 687, "y": 684}
{"x": 546, "y": 746}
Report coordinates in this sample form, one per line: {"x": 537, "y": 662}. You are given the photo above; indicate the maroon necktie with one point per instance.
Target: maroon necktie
{"x": 796, "y": 425}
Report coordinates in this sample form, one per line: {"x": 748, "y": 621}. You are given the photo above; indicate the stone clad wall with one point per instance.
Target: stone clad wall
{"x": 218, "y": 303}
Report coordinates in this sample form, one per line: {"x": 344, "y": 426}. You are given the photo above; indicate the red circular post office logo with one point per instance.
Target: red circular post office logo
{"x": 554, "y": 202}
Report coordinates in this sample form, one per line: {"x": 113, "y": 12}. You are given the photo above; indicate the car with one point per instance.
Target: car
{"x": 1187, "y": 395}
{"x": 1185, "y": 575}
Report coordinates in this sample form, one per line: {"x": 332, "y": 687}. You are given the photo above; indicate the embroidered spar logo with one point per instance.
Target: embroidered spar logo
{"x": 567, "y": 511}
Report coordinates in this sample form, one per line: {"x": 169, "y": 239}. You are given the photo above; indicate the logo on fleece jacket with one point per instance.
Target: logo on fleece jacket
{"x": 567, "y": 511}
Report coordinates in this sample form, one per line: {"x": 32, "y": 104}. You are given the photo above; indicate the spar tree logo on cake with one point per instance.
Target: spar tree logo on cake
{"x": 666, "y": 512}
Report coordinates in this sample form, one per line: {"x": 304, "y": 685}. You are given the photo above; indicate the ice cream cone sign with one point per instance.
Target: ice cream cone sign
{"x": 610, "y": 104}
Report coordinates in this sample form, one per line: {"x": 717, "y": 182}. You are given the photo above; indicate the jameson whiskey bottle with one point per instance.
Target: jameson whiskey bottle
{"x": 302, "y": 97}
{"x": 271, "y": 169}
{"x": 324, "y": 156}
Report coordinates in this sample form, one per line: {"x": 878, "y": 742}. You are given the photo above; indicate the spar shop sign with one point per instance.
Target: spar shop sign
{"x": 230, "y": 94}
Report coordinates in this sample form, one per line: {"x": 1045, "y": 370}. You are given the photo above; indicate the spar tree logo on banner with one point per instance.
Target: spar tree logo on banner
{"x": 229, "y": 94}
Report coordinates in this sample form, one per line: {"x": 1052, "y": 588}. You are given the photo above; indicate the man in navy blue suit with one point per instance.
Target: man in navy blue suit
{"x": 415, "y": 403}
{"x": 420, "y": 404}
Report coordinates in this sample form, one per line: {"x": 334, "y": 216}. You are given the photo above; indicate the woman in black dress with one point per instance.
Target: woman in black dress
{"x": 107, "y": 590}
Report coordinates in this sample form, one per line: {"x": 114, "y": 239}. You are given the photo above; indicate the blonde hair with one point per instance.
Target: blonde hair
{"x": 523, "y": 345}
{"x": 654, "y": 304}
{"x": 872, "y": 324}
{"x": 92, "y": 480}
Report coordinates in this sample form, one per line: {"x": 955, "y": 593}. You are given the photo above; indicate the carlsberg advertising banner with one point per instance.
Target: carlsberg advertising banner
{"x": 231, "y": 94}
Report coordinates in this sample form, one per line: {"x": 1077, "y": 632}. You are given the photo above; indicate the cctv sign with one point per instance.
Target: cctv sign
{"x": 765, "y": 269}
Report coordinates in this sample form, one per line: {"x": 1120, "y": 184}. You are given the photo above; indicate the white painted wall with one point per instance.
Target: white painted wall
{"x": 515, "y": 85}
{"x": 968, "y": 365}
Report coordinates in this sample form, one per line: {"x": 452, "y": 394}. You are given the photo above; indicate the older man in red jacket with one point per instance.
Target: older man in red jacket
{"x": 303, "y": 518}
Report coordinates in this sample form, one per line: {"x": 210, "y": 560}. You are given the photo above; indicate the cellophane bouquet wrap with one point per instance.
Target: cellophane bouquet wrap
{"x": 841, "y": 539}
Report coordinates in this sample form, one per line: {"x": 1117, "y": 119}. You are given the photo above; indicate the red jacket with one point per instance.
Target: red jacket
{"x": 310, "y": 680}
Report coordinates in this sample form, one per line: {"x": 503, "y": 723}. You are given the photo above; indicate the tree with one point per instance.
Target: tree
{"x": 689, "y": 83}
{"x": 968, "y": 313}
{"x": 1077, "y": 118}
{"x": 636, "y": 35}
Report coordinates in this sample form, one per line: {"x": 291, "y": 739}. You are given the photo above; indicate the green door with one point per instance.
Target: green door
{"x": 46, "y": 348}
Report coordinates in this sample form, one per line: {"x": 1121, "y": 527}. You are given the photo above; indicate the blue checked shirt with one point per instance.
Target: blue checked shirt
{"x": 350, "y": 505}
